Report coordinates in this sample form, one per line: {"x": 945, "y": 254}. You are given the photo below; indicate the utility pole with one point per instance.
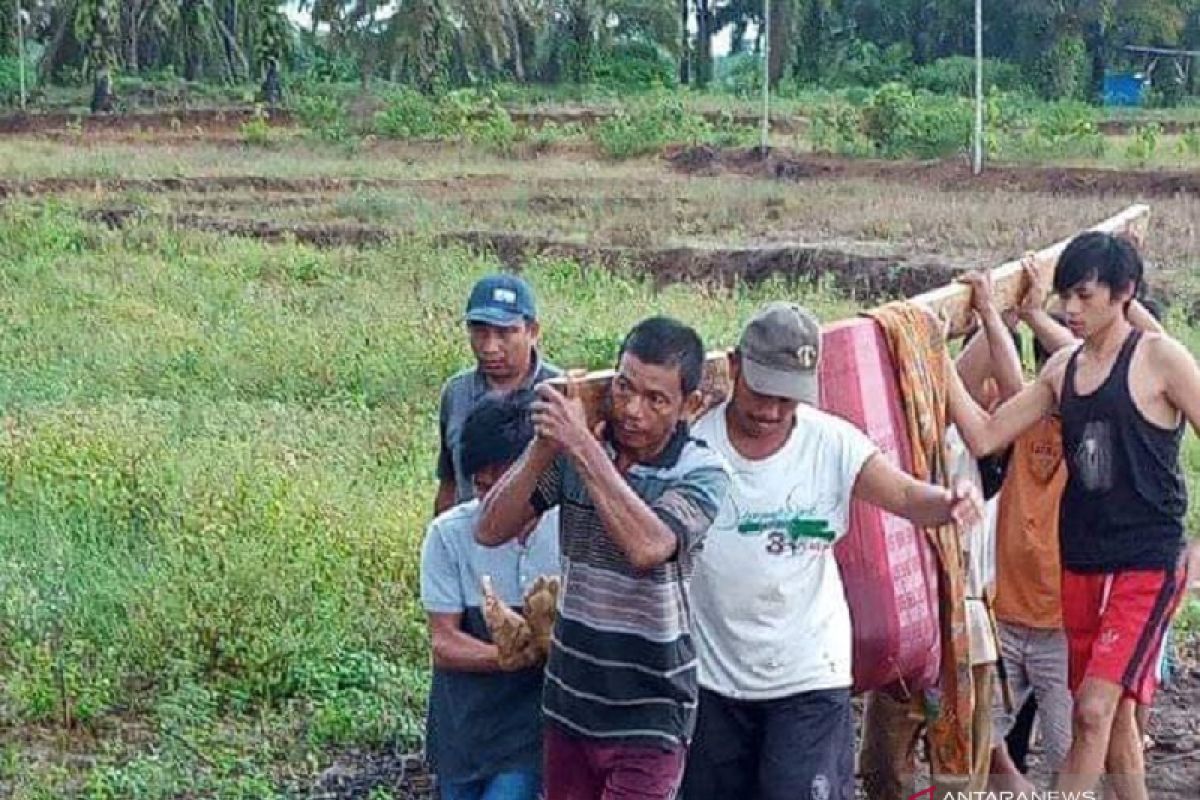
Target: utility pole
{"x": 977, "y": 161}
{"x": 21, "y": 49}
{"x": 764, "y": 136}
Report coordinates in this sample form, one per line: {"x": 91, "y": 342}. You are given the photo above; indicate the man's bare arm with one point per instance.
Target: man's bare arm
{"x": 1140, "y": 317}
{"x": 881, "y": 484}
{"x": 987, "y": 433}
{"x": 508, "y": 508}
{"x": 454, "y": 649}
{"x": 641, "y": 534}
{"x": 1182, "y": 378}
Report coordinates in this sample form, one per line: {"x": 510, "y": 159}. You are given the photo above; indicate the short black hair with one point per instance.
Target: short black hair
{"x": 667, "y": 342}
{"x": 1112, "y": 260}
{"x": 497, "y": 431}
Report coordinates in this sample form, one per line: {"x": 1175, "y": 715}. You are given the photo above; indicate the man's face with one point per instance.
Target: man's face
{"x": 487, "y": 477}
{"x": 503, "y": 353}
{"x": 1090, "y": 306}
{"x": 759, "y": 415}
{"x": 646, "y": 403}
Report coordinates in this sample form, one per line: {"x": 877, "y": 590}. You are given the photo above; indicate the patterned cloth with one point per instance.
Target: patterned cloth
{"x": 922, "y": 368}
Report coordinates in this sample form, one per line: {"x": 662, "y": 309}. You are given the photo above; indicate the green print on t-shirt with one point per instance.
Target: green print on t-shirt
{"x": 796, "y": 528}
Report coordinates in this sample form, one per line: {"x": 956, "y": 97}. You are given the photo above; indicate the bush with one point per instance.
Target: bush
{"x": 256, "y": 131}
{"x": 1189, "y": 143}
{"x": 838, "y": 128}
{"x": 865, "y": 64}
{"x": 956, "y": 75}
{"x": 1059, "y": 130}
{"x": 899, "y": 123}
{"x": 635, "y": 65}
{"x": 1144, "y": 143}
{"x": 322, "y": 115}
{"x": 463, "y": 114}
{"x": 651, "y": 124}
{"x": 10, "y": 79}
{"x": 739, "y": 75}
{"x": 1063, "y": 72}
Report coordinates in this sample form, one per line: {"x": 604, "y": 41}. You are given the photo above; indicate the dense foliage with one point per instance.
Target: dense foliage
{"x": 1057, "y": 49}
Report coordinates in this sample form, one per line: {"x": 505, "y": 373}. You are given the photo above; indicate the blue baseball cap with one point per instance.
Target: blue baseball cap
{"x": 503, "y": 300}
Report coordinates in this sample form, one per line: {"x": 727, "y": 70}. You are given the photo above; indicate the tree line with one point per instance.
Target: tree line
{"x": 1061, "y": 47}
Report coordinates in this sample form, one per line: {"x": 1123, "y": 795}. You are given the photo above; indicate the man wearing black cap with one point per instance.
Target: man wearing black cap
{"x": 773, "y": 629}
{"x": 503, "y": 327}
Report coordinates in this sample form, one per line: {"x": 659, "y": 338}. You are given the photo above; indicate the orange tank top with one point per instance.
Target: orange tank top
{"x": 1028, "y": 570}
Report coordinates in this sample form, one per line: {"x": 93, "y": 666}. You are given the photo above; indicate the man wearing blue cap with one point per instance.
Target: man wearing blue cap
{"x": 502, "y": 324}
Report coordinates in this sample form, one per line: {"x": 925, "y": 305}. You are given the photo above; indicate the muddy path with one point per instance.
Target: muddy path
{"x": 1172, "y": 766}
{"x": 948, "y": 175}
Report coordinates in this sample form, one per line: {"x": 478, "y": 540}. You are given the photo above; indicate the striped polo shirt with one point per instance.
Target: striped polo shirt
{"x": 623, "y": 665}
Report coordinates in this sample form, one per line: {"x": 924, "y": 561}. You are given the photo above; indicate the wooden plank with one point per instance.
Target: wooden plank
{"x": 951, "y": 303}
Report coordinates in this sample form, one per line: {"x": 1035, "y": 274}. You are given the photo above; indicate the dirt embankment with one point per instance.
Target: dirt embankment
{"x": 210, "y": 120}
{"x": 947, "y": 175}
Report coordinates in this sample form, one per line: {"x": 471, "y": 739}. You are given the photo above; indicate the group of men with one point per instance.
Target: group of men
{"x": 703, "y": 642}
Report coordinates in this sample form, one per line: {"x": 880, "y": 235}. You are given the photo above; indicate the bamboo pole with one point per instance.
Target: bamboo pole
{"x": 951, "y": 303}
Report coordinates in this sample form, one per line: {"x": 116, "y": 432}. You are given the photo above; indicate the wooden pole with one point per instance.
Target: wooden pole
{"x": 951, "y": 303}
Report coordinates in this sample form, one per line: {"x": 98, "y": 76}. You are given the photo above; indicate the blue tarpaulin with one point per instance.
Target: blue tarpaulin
{"x": 1123, "y": 89}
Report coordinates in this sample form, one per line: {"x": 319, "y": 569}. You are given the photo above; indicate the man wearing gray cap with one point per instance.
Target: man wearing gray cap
{"x": 772, "y": 624}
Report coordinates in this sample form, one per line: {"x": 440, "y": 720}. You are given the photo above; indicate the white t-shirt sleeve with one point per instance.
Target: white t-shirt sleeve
{"x": 441, "y": 589}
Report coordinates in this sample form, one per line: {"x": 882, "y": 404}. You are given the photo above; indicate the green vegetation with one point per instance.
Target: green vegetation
{"x": 216, "y": 469}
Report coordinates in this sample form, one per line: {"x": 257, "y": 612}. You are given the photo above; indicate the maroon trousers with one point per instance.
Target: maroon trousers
{"x": 589, "y": 769}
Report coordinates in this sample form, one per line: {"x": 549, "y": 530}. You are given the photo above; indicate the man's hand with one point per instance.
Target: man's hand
{"x": 966, "y": 504}
{"x": 982, "y": 296}
{"x": 560, "y": 420}
{"x": 515, "y": 647}
{"x": 1036, "y": 288}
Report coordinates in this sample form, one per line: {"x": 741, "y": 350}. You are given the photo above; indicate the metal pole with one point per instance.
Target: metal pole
{"x": 21, "y": 50}
{"x": 765, "y": 133}
{"x": 977, "y": 161}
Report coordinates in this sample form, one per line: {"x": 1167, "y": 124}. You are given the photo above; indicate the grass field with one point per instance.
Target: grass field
{"x": 217, "y": 453}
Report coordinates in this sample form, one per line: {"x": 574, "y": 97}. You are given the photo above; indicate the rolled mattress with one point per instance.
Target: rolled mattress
{"x": 887, "y": 564}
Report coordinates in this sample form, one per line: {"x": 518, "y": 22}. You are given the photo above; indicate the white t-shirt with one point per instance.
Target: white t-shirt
{"x": 771, "y": 613}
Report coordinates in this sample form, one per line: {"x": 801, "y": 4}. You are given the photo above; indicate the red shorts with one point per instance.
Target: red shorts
{"x": 587, "y": 769}
{"x": 1115, "y": 624}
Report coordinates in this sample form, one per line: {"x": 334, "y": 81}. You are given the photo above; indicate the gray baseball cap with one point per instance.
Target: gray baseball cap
{"x": 781, "y": 351}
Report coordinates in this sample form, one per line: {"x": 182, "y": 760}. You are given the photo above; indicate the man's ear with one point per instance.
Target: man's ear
{"x": 535, "y": 330}
{"x": 693, "y": 405}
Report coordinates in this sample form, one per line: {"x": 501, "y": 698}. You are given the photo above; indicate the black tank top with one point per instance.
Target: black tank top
{"x": 1125, "y": 499}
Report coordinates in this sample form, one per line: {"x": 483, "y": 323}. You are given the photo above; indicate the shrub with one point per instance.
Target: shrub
{"x": 635, "y": 65}
{"x": 256, "y": 131}
{"x": 740, "y": 75}
{"x": 10, "y": 79}
{"x": 1144, "y": 143}
{"x": 956, "y": 75}
{"x": 1189, "y": 143}
{"x": 899, "y": 123}
{"x": 649, "y": 125}
{"x": 322, "y": 115}
{"x": 838, "y": 128}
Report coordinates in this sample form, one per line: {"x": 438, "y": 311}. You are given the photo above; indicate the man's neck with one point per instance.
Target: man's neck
{"x": 754, "y": 448}
{"x": 1107, "y": 341}
{"x": 626, "y": 457}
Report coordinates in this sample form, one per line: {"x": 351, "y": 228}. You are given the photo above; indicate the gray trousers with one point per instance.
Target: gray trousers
{"x": 1035, "y": 660}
